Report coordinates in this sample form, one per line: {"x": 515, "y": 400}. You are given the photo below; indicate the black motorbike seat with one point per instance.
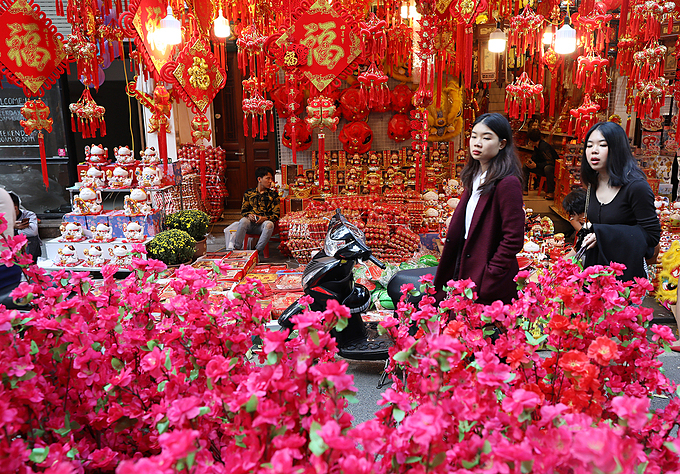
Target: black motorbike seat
{"x": 407, "y": 276}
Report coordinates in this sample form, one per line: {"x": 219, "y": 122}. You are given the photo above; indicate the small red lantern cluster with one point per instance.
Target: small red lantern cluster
{"x": 523, "y": 97}
{"x": 583, "y": 117}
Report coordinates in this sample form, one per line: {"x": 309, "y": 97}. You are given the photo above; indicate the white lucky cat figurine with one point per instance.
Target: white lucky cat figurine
{"x": 88, "y": 202}
{"x": 150, "y": 177}
{"x": 71, "y": 232}
{"x": 96, "y": 154}
{"x": 67, "y": 256}
{"x": 120, "y": 255}
{"x": 124, "y": 156}
{"x": 134, "y": 232}
{"x": 138, "y": 203}
{"x": 149, "y": 156}
{"x": 94, "y": 178}
{"x": 119, "y": 178}
{"x": 102, "y": 233}
{"x": 94, "y": 256}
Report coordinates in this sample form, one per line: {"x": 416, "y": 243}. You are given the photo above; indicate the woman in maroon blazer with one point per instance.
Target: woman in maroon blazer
{"x": 487, "y": 228}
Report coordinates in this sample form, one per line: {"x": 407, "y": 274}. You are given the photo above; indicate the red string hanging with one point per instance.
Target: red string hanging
{"x": 36, "y": 117}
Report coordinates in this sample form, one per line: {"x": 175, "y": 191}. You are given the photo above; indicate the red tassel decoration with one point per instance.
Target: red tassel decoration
{"x": 322, "y": 152}
{"x": 204, "y": 187}
{"x": 43, "y": 160}
{"x": 163, "y": 147}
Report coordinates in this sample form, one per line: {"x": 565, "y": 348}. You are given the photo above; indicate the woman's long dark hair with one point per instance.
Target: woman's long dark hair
{"x": 621, "y": 165}
{"x": 506, "y": 162}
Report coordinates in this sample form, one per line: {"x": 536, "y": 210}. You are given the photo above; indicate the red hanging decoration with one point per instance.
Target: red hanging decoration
{"x": 36, "y": 115}
{"x": 583, "y": 117}
{"x": 255, "y": 107}
{"x": 591, "y": 73}
{"x": 523, "y": 97}
{"x": 650, "y": 97}
{"x": 321, "y": 114}
{"x": 373, "y": 80}
{"x": 526, "y": 32}
{"x": 90, "y": 116}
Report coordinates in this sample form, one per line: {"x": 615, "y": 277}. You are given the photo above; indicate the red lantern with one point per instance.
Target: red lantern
{"x": 399, "y": 128}
{"x": 296, "y": 130}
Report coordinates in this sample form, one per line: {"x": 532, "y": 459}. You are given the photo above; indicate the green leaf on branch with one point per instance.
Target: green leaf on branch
{"x": 342, "y": 324}
{"x": 124, "y": 423}
{"x": 527, "y": 467}
{"x": 412, "y": 459}
{"x": 161, "y": 386}
{"x": 272, "y": 358}
{"x": 162, "y": 426}
{"x": 116, "y": 364}
{"x": 470, "y": 464}
{"x": 34, "y": 348}
{"x": 251, "y": 405}
{"x": 533, "y": 340}
{"x": 468, "y": 293}
{"x": 72, "y": 453}
{"x": 316, "y": 443}
{"x": 239, "y": 441}
{"x": 398, "y": 414}
{"x": 203, "y": 411}
{"x": 168, "y": 362}
{"x": 314, "y": 336}
{"x": 438, "y": 459}
{"x": 39, "y": 455}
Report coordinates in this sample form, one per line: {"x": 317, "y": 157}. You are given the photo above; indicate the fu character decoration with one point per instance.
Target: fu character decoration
{"x": 32, "y": 57}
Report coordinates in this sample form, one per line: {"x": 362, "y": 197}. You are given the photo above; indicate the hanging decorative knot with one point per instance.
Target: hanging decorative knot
{"x": 425, "y": 54}
{"x": 250, "y": 43}
{"x": 593, "y": 28}
{"x": 320, "y": 113}
{"x": 36, "y": 115}
{"x": 583, "y": 117}
{"x": 649, "y": 63}
{"x": 84, "y": 53}
{"x": 647, "y": 17}
{"x": 89, "y": 115}
{"x": 374, "y": 81}
{"x": 200, "y": 128}
{"x": 526, "y": 31}
{"x": 627, "y": 46}
{"x": 592, "y": 73}
{"x": 650, "y": 97}
{"x": 523, "y": 97}
{"x": 255, "y": 106}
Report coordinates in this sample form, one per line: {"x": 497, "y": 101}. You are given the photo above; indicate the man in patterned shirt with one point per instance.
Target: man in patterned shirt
{"x": 260, "y": 210}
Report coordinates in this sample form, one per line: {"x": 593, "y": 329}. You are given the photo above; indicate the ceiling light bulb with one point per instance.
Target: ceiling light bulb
{"x": 497, "y": 40}
{"x": 548, "y": 35}
{"x": 221, "y": 26}
{"x": 170, "y": 29}
{"x": 565, "y": 40}
{"x": 404, "y": 11}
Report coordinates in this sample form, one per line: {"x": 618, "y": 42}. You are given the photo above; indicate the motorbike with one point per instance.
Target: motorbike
{"x": 328, "y": 276}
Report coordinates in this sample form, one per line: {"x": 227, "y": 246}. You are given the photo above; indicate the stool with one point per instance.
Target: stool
{"x": 246, "y": 243}
{"x": 541, "y": 183}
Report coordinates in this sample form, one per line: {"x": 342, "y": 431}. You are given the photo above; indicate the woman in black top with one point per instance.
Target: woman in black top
{"x": 621, "y": 203}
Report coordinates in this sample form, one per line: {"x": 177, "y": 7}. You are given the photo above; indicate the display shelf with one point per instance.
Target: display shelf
{"x": 49, "y": 265}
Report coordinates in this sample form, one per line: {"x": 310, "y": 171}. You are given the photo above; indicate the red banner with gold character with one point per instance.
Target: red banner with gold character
{"x": 331, "y": 38}
{"x": 31, "y": 50}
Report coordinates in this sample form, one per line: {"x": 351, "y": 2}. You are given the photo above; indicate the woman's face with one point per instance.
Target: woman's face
{"x": 597, "y": 151}
{"x": 484, "y": 144}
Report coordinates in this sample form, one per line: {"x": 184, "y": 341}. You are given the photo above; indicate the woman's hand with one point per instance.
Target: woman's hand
{"x": 590, "y": 241}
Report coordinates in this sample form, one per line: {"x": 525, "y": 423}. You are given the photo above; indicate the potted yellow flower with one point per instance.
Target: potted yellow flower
{"x": 193, "y": 222}
{"x": 172, "y": 247}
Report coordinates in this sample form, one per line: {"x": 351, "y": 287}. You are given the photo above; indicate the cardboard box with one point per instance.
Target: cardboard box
{"x": 71, "y": 217}
{"x": 429, "y": 240}
{"x": 117, "y": 220}
{"x": 94, "y": 221}
{"x": 152, "y": 224}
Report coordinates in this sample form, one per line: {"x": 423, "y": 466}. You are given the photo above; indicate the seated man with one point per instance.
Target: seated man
{"x": 542, "y": 163}
{"x": 260, "y": 211}
{"x": 27, "y": 224}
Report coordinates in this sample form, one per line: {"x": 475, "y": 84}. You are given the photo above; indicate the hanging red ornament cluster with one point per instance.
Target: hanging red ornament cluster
{"x": 373, "y": 80}
{"x": 593, "y": 28}
{"x": 250, "y": 42}
{"x": 583, "y": 117}
{"x": 255, "y": 108}
{"x": 321, "y": 114}
{"x": 647, "y": 17}
{"x": 36, "y": 117}
{"x": 649, "y": 63}
{"x": 523, "y": 97}
{"x": 626, "y": 48}
{"x": 526, "y": 31}
{"x": 89, "y": 115}
{"x": 650, "y": 97}
{"x": 591, "y": 73}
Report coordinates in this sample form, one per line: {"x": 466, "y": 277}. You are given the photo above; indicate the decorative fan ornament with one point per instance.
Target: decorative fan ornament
{"x": 90, "y": 116}
{"x": 32, "y": 57}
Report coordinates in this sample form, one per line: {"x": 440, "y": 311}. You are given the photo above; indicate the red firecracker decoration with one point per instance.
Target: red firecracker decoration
{"x": 582, "y": 118}
{"x": 87, "y": 117}
{"x": 523, "y": 97}
{"x": 36, "y": 115}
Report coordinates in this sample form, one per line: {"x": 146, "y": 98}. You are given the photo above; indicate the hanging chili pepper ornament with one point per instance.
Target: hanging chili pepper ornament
{"x": 36, "y": 115}
{"x": 90, "y": 116}
{"x": 320, "y": 114}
